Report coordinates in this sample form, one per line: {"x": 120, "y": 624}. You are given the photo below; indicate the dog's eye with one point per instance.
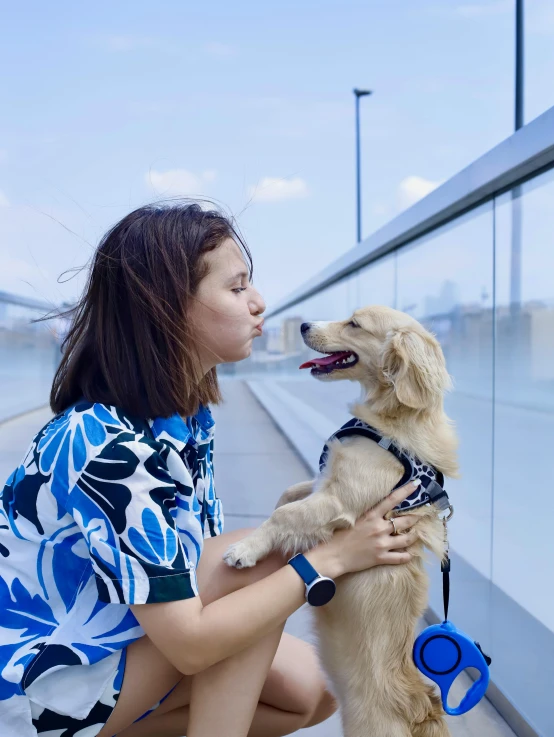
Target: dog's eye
{"x": 353, "y": 324}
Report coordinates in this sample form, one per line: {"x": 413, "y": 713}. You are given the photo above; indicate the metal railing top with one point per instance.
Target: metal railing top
{"x": 521, "y": 156}
{"x": 16, "y": 299}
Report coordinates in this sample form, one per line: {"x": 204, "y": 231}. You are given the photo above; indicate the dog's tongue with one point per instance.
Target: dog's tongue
{"x": 326, "y": 360}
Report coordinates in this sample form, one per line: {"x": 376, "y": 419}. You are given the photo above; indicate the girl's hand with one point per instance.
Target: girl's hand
{"x": 370, "y": 542}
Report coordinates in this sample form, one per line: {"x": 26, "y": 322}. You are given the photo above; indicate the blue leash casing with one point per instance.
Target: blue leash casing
{"x": 442, "y": 652}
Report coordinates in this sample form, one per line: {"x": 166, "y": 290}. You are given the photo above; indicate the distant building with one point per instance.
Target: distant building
{"x": 292, "y": 337}
{"x": 542, "y": 345}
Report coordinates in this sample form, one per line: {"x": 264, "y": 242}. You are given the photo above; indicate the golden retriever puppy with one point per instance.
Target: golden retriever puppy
{"x": 366, "y": 632}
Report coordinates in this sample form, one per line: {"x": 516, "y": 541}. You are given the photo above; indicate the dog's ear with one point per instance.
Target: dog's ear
{"x": 413, "y": 362}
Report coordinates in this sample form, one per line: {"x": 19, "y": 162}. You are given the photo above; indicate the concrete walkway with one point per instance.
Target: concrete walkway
{"x": 254, "y": 463}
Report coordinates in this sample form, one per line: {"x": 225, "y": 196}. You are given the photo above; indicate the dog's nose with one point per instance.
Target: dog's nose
{"x": 304, "y": 327}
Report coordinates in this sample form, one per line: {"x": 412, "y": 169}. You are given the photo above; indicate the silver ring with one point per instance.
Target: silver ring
{"x": 393, "y": 526}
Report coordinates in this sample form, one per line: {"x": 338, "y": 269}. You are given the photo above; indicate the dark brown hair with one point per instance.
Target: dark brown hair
{"x": 130, "y": 343}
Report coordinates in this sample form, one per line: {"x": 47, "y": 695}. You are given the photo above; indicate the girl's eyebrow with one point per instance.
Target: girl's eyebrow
{"x": 236, "y": 277}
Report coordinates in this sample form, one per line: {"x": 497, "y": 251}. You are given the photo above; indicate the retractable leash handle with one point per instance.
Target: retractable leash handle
{"x": 442, "y": 651}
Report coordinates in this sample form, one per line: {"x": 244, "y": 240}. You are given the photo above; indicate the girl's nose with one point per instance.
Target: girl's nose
{"x": 257, "y": 305}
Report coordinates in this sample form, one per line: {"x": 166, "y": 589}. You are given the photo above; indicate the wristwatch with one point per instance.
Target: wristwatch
{"x": 319, "y": 589}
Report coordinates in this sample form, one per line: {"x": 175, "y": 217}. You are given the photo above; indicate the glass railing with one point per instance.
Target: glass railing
{"x": 29, "y": 355}
{"x": 483, "y": 282}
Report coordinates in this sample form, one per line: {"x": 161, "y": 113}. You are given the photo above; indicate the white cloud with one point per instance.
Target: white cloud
{"x": 539, "y": 15}
{"x": 413, "y": 188}
{"x": 266, "y": 102}
{"x": 126, "y": 43}
{"x": 218, "y": 49}
{"x": 179, "y": 181}
{"x": 129, "y": 43}
{"x": 4, "y": 202}
{"x": 273, "y": 189}
{"x": 540, "y": 18}
{"x": 481, "y": 10}
{"x": 380, "y": 209}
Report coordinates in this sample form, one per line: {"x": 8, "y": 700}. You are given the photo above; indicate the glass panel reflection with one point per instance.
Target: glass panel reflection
{"x": 446, "y": 282}
{"x": 29, "y": 355}
{"x": 524, "y": 410}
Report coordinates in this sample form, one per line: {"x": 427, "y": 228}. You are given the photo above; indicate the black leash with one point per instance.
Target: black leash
{"x": 445, "y": 567}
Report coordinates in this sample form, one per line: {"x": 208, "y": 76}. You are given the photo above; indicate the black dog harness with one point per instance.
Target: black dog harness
{"x": 431, "y": 490}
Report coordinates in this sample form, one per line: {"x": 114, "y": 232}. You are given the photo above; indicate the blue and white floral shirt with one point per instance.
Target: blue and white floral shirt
{"x": 106, "y": 510}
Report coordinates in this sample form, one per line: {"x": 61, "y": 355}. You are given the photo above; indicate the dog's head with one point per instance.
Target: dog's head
{"x": 395, "y": 359}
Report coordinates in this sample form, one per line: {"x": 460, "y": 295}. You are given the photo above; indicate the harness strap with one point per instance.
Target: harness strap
{"x": 354, "y": 428}
{"x": 431, "y": 491}
{"x": 437, "y": 495}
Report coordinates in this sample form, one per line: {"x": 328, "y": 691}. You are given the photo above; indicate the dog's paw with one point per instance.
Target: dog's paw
{"x": 240, "y": 555}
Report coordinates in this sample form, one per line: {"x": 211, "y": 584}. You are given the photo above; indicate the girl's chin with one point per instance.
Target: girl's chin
{"x": 239, "y": 356}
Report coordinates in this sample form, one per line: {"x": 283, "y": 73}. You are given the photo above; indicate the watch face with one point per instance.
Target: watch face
{"x": 321, "y": 592}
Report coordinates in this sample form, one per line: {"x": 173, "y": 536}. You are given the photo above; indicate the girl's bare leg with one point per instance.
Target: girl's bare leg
{"x": 292, "y": 693}
{"x": 224, "y": 697}
{"x": 293, "y": 697}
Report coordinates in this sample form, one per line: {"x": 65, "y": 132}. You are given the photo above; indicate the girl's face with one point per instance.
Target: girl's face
{"x": 225, "y": 311}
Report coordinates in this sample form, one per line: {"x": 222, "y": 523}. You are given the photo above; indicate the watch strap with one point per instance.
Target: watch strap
{"x": 304, "y": 568}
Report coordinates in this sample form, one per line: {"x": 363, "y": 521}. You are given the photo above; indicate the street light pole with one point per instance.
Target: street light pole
{"x": 520, "y": 86}
{"x": 515, "y": 265}
{"x": 358, "y": 93}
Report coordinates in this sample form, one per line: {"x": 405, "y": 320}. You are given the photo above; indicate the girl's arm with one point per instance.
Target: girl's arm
{"x": 193, "y": 637}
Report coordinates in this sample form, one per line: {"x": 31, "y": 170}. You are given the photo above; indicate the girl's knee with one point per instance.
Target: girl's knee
{"x": 325, "y": 707}
{"x": 311, "y": 700}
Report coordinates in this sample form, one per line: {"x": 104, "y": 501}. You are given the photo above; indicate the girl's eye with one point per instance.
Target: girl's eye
{"x": 239, "y": 289}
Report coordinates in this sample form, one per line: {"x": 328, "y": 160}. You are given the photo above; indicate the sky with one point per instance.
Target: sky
{"x": 107, "y": 106}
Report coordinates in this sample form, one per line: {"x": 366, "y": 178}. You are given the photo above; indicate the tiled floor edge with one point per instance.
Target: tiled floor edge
{"x": 18, "y": 415}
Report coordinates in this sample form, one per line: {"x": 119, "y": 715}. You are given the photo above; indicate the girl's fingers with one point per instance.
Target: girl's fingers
{"x": 396, "y": 558}
{"x": 404, "y": 522}
{"x": 394, "y": 499}
{"x": 402, "y": 541}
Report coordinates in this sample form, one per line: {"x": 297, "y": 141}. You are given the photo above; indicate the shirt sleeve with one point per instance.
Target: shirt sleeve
{"x": 123, "y": 502}
{"x": 214, "y": 521}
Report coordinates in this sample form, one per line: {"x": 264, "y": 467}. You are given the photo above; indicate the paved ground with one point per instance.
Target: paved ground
{"x": 254, "y": 464}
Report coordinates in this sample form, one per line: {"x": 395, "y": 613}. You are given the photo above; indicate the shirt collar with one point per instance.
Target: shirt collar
{"x": 181, "y": 432}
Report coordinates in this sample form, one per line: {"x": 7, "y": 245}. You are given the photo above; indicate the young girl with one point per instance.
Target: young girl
{"x": 118, "y": 617}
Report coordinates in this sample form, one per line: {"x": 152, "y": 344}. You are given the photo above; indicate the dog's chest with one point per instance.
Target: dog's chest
{"x": 414, "y": 468}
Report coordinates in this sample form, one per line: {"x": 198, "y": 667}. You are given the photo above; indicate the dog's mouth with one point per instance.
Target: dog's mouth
{"x": 332, "y": 362}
